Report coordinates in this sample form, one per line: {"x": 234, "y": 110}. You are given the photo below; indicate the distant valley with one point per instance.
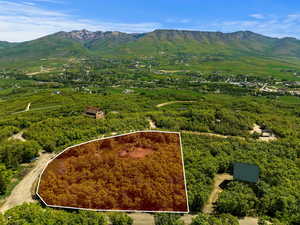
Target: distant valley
{"x": 238, "y": 52}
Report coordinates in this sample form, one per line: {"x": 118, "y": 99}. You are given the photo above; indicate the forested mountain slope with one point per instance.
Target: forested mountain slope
{"x": 79, "y": 43}
{"x": 242, "y": 52}
{"x": 5, "y": 44}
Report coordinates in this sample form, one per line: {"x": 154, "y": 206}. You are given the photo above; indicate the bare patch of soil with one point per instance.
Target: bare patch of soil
{"x": 142, "y": 218}
{"x": 18, "y": 136}
{"x": 152, "y": 124}
{"x": 248, "y": 221}
{"x": 187, "y": 218}
{"x": 265, "y": 135}
{"x": 136, "y": 153}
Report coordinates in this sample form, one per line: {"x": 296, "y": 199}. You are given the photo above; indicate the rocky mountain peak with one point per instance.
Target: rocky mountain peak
{"x": 83, "y": 35}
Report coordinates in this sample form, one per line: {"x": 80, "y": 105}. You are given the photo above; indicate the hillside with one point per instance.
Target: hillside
{"x": 49, "y": 46}
{"x": 171, "y": 41}
{"x": 5, "y": 44}
{"x": 177, "y": 49}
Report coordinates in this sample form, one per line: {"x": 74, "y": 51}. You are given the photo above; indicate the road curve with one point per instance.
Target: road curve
{"x": 22, "y": 192}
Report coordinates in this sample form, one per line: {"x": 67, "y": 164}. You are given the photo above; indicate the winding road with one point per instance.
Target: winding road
{"x": 23, "y": 191}
{"x": 219, "y": 179}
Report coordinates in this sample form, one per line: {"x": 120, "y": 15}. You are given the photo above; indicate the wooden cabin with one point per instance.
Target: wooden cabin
{"x": 94, "y": 112}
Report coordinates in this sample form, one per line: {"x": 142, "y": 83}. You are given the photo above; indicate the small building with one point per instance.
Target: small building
{"x": 56, "y": 92}
{"x": 94, "y": 112}
{"x": 246, "y": 172}
{"x": 128, "y": 91}
{"x": 267, "y": 133}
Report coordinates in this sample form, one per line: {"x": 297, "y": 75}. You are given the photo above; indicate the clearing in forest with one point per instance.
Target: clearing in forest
{"x": 141, "y": 171}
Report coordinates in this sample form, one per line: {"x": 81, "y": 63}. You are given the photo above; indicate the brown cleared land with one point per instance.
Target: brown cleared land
{"x": 139, "y": 171}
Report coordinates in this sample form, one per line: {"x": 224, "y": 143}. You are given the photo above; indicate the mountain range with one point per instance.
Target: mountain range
{"x": 159, "y": 43}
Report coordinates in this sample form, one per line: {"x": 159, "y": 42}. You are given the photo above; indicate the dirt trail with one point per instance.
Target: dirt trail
{"x": 27, "y": 107}
{"x": 152, "y": 124}
{"x": 249, "y": 221}
{"x": 219, "y": 178}
{"x": 23, "y": 191}
{"x": 210, "y": 134}
{"x": 187, "y": 219}
{"x": 172, "y": 102}
{"x": 204, "y": 134}
{"x": 18, "y": 136}
{"x": 148, "y": 219}
{"x": 25, "y": 110}
{"x": 142, "y": 218}
{"x": 43, "y": 70}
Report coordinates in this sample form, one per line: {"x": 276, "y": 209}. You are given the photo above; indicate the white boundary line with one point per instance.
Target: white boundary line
{"x": 108, "y": 210}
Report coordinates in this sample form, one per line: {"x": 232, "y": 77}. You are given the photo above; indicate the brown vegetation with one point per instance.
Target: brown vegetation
{"x": 140, "y": 171}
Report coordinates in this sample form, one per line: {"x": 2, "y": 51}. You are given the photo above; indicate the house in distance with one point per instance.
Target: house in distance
{"x": 94, "y": 112}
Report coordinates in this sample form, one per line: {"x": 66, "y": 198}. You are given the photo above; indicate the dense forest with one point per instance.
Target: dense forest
{"x": 140, "y": 171}
{"x": 35, "y": 215}
{"x": 206, "y": 104}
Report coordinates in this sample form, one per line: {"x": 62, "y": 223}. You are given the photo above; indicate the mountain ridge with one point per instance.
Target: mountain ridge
{"x": 196, "y": 46}
{"x": 87, "y": 33}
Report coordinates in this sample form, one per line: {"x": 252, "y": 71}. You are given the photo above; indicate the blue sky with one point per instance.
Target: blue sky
{"x": 22, "y": 20}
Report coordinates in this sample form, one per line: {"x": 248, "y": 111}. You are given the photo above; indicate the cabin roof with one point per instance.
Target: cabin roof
{"x": 93, "y": 110}
{"x": 246, "y": 172}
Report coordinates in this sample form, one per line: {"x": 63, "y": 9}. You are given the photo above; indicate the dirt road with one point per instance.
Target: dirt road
{"x": 219, "y": 178}
{"x": 142, "y": 218}
{"x": 205, "y": 134}
{"x": 248, "y": 221}
{"x": 172, "y": 102}
{"x": 27, "y": 107}
{"x": 210, "y": 134}
{"x": 152, "y": 124}
{"x": 25, "y": 110}
{"x": 18, "y": 136}
{"x": 22, "y": 192}
{"x": 187, "y": 219}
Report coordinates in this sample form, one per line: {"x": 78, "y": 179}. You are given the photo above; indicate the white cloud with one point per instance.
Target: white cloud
{"x": 29, "y": 3}
{"x": 23, "y": 21}
{"x": 257, "y": 16}
{"x": 185, "y": 21}
{"x": 48, "y": 1}
{"x": 272, "y": 25}
{"x": 172, "y": 20}
{"x": 292, "y": 18}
